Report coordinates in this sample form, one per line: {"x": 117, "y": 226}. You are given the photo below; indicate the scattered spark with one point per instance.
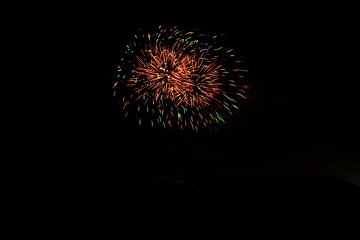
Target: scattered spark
{"x": 173, "y": 78}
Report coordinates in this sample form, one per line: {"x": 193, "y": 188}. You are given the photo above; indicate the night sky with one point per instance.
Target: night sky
{"x": 297, "y": 125}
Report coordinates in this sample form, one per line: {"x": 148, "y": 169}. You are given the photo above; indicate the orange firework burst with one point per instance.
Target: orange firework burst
{"x": 174, "y": 78}
{"x": 175, "y": 74}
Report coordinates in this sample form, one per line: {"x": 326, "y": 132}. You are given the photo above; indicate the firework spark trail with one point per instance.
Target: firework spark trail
{"x": 172, "y": 78}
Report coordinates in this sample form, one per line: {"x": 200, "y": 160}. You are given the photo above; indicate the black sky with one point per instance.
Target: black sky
{"x": 298, "y": 121}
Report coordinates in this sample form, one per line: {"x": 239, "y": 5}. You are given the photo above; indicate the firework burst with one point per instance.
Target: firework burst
{"x": 173, "y": 78}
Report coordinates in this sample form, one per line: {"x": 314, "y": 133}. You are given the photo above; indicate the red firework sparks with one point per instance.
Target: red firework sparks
{"x": 176, "y": 74}
{"x": 173, "y": 78}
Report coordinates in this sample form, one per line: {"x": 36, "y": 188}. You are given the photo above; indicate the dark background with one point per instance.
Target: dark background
{"x": 298, "y": 126}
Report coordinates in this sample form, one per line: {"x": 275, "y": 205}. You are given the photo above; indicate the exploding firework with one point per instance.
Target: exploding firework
{"x": 173, "y": 78}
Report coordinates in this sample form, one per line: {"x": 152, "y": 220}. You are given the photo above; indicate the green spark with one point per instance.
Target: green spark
{"x": 229, "y": 97}
{"x": 240, "y": 95}
{"x": 222, "y": 119}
